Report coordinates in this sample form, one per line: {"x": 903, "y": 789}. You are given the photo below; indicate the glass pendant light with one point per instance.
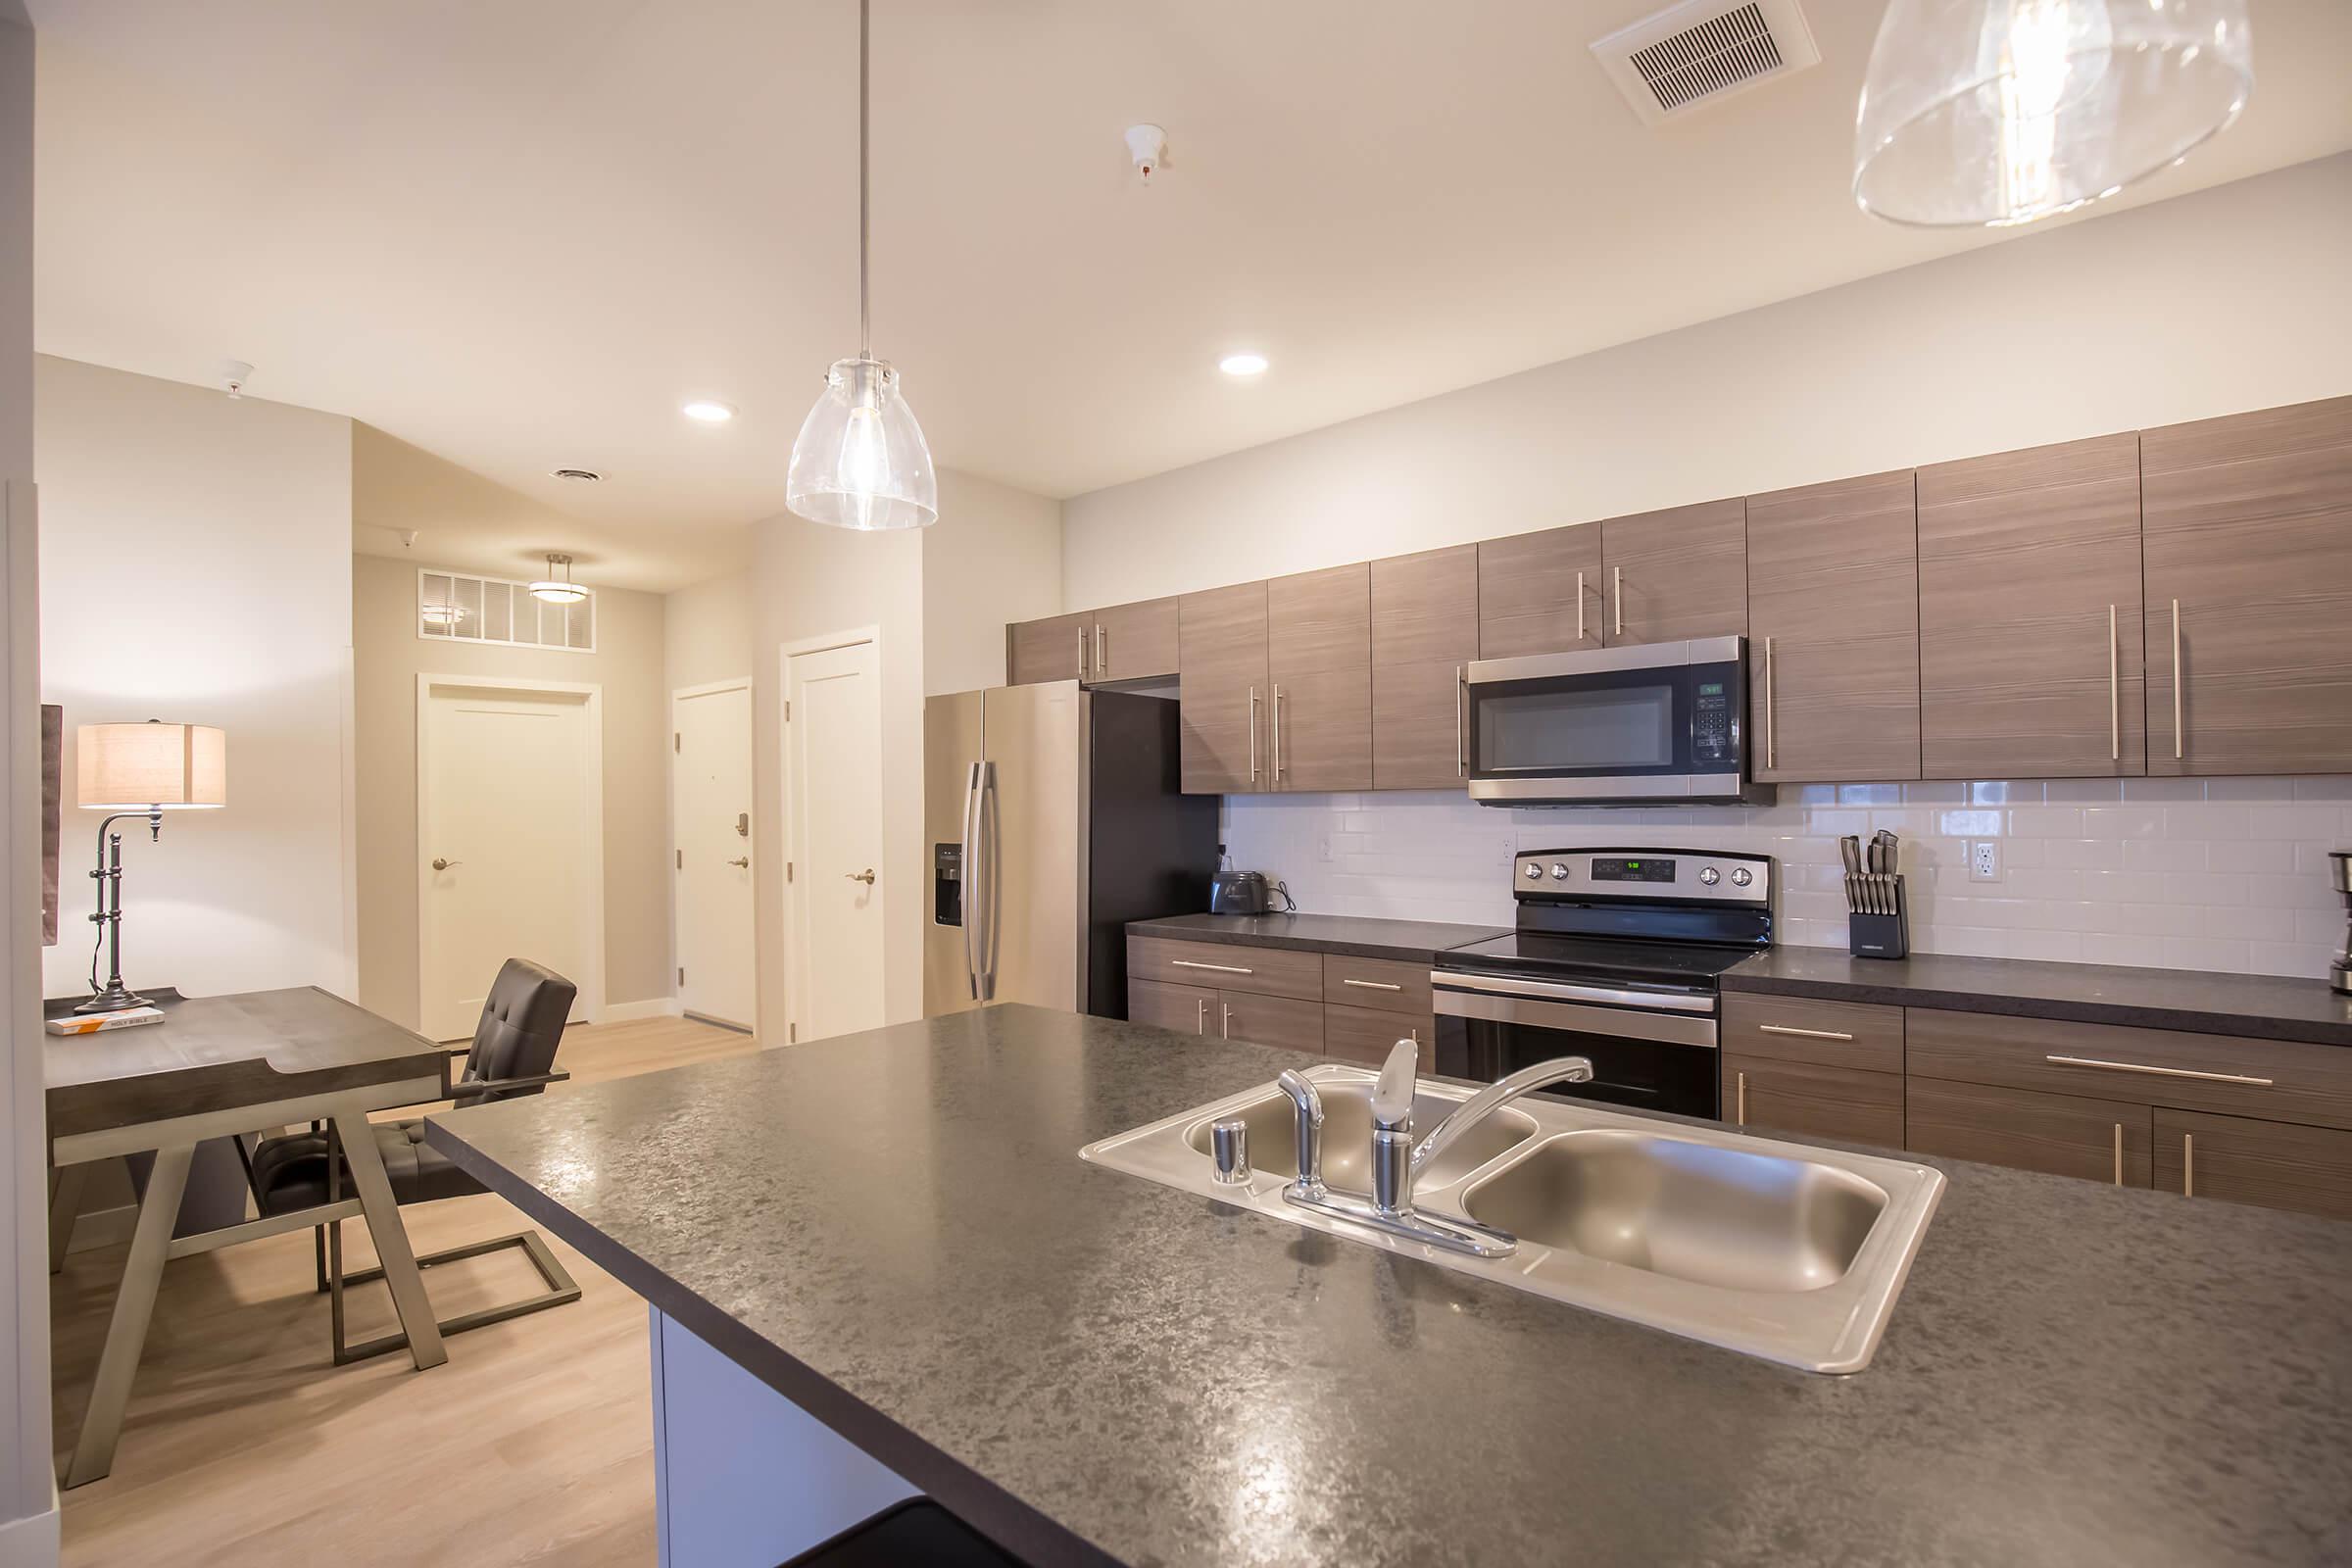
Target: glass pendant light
{"x": 860, "y": 461}
{"x": 1986, "y": 113}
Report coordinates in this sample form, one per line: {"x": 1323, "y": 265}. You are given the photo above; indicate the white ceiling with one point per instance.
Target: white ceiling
{"x": 516, "y": 234}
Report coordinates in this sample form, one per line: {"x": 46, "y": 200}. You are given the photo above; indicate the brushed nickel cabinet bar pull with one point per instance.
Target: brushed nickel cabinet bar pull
{"x": 1801, "y": 1034}
{"x": 1221, "y": 968}
{"x": 1372, "y": 985}
{"x": 1201, "y": 1016}
{"x": 1253, "y": 734}
{"x": 1743, "y": 1121}
{"x": 2189, "y": 1165}
{"x": 2158, "y": 1072}
{"x": 1617, "y": 613}
{"x": 1768, "y": 752}
{"x": 1579, "y": 609}
{"x": 1278, "y": 735}
{"x": 2114, "y": 694}
{"x": 2177, "y": 738}
{"x": 2119, "y": 1154}
{"x": 1461, "y": 702}
{"x": 1082, "y": 653}
{"x": 1100, "y": 664}
{"x": 1225, "y": 1020}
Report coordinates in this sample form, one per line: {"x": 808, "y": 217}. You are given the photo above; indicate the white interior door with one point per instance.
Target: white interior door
{"x": 511, "y": 834}
{"x": 833, "y": 844}
{"x": 711, "y": 802}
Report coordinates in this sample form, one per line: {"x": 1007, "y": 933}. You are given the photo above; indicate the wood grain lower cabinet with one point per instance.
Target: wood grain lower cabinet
{"x": 1283, "y": 1022}
{"x": 1135, "y": 642}
{"x": 1222, "y": 689}
{"x": 1424, "y": 631}
{"x": 2242, "y": 1161}
{"x": 1227, "y": 966}
{"x": 1676, "y": 573}
{"x": 2063, "y": 1135}
{"x": 1319, "y": 674}
{"x": 1826, "y": 1033}
{"x": 1366, "y": 1035}
{"x": 2246, "y": 523}
{"x": 1810, "y": 1101}
{"x": 1053, "y": 649}
{"x": 1833, "y": 626}
{"x": 2030, "y": 648}
{"x": 1540, "y": 593}
{"x": 1187, "y": 1010}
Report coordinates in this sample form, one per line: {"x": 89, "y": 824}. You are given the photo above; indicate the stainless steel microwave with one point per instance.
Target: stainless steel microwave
{"x": 1655, "y": 724}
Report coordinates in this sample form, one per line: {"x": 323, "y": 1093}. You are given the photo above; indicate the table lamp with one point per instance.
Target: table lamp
{"x": 139, "y": 770}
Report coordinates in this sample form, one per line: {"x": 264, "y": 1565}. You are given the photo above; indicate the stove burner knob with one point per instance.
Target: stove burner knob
{"x": 1535, "y": 871}
{"x": 1741, "y": 876}
{"x": 1708, "y": 876}
{"x": 1560, "y": 871}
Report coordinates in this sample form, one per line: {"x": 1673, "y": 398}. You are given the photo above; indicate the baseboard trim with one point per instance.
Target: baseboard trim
{"x": 104, "y": 1227}
{"x": 638, "y": 1011}
{"x": 31, "y": 1542}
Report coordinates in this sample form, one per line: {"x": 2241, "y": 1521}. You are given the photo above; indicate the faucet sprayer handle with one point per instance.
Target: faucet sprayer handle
{"x": 1392, "y": 1095}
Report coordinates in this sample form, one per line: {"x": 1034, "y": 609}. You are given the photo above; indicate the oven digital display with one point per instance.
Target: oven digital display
{"x": 1633, "y": 870}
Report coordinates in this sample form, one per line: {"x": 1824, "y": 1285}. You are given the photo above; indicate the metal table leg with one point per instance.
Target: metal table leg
{"x": 135, "y": 1305}
{"x": 391, "y": 1240}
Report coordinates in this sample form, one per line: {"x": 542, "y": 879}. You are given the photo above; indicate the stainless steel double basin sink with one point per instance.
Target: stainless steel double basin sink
{"x": 1792, "y": 1253}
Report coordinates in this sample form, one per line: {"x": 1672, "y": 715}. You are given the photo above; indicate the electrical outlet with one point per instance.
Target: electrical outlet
{"x": 1323, "y": 845}
{"x": 1984, "y": 860}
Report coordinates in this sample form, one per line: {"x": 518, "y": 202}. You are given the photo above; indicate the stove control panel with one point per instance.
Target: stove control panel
{"x": 1652, "y": 875}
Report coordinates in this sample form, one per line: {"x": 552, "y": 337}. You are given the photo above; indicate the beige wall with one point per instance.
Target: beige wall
{"x": 993, "y": 556}
{"x": 707, "y": 631}
{"x": 627, "y": 664}
{"x": 2232, "y": 298}
{"x": 196, "y": 566}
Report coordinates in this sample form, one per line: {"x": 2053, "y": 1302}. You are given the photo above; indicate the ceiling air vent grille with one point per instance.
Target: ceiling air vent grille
{"x": 1691, "y": 54}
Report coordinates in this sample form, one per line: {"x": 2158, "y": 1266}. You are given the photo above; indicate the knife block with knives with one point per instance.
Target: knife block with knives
{"x": 1878, "y": 919}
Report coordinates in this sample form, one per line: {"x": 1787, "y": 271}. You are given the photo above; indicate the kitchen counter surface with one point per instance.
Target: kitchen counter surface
{"x": 1349, "y": 935}
{"x": 2261, "y": 1006}
{"x": 894, "y": 1230}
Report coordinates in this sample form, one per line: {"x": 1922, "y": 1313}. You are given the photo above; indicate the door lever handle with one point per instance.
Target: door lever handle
{"x": 440, "y": 864}
{"x": 865, "y": 876}
{"x": 743, "y": 860}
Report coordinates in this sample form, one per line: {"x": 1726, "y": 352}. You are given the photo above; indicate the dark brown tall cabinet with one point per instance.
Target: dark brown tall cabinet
{"x": 1424, "y": 630}
{"x": 1222, "y": 689}
{"x": 2247, "y": 526}
{"x": 2030, "y": 653}
{"x": 1319, "y": 678}
{"x": 1833, "y": 626}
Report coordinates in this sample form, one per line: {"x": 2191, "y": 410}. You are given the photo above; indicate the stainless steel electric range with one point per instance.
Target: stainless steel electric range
{"x": 1616, "y": 958}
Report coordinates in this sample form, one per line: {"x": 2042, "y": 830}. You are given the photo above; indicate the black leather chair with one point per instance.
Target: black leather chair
{"x": 514, "y": 1054}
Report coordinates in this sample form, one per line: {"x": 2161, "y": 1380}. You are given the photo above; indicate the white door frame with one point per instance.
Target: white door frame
{"x": 796, "y": 990}
{"x": 591, "y": 984}
{"x": 710, "y": 688}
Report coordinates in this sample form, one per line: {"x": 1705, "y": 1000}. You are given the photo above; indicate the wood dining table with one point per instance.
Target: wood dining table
{"x": 220, "y": 1067}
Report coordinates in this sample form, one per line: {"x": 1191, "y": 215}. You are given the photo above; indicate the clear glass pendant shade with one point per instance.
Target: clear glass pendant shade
{"x": 860, "y": 461}
{"x": 1983, "y": 113}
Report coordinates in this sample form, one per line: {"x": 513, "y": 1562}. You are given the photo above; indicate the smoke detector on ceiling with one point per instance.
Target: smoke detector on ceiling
{"x": 233, "y": 375}
{"x": 1691, "y": 55}
{"x": 1148, "y": 149}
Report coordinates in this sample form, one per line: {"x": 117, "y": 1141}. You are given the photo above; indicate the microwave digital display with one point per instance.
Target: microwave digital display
{"x": 1645, "y": 870}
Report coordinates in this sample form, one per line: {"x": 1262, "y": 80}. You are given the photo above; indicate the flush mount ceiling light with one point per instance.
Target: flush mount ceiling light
{"x": 556, "y": 587}
{"x": 709, "y": 411}
{"x": 1242, "y": 364}
{"x": 860, "y": 461}
{"x": 1989, "y": 113}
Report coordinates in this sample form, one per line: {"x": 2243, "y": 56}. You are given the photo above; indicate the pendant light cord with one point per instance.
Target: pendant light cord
{"x": 865, "y": 330}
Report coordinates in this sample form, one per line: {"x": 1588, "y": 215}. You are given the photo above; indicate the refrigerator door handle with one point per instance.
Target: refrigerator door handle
{"x": 972, "y": 893}
{"x": 989, "y": 943}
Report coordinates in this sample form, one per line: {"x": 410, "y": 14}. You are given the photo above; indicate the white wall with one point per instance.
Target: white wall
{"x": 995, "y": 557}
{"x": 196, "y": 566}
{"x": 2232, "y": 298}
{"x": 706, "y": 632}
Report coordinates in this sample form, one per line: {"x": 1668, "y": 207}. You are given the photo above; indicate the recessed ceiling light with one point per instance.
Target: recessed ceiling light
{"x": 710, "y": 411}
{"x": 1242, "y": 364}
{"x": 576, "y": 475}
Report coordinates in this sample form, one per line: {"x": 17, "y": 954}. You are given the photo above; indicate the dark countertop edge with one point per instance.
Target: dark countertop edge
{"x": 1172, "y": 928}
{"x": 1015, "y": 1526}
{"x": 1894, "y": 994}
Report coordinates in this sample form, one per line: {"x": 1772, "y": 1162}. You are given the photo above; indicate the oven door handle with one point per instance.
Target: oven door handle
{"x": 1560, "y": 991}
{"x": 1578, "y": 1018}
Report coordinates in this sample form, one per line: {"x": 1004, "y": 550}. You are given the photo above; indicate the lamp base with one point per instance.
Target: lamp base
{"x": 114, "y": 999}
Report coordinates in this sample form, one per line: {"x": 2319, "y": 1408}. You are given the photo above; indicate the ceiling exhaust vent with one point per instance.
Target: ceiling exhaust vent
{"x": 1691, "y": 55}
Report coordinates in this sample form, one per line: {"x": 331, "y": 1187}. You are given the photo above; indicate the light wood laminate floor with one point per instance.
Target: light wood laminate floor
{"x": 245, "y": 1446}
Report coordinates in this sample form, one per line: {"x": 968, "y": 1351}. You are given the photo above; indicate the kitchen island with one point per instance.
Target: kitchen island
{"x": 893, "y": 1233}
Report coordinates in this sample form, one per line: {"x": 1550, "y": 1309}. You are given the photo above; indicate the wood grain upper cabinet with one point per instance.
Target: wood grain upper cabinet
{"x": 1424, "y": 630}
{"x": 1134, "y": 642}
{"x": 1676, "y": 573}
{"x": 1833, "y": 626}
{"x": 1053, "y": 649}
{"x": 2246, "y": 523}
{"x": 1540, "y": 593}
{"x": 1222, "y": 689}
{"x": 2030, "y": 653}
{"x": 1319, "y": 669}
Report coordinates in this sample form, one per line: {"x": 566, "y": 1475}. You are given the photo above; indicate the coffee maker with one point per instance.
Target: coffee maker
{"x": 2339, "y": 867}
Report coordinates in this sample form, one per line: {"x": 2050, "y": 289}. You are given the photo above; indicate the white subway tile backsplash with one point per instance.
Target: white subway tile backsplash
{"x": 2189, "y": 873}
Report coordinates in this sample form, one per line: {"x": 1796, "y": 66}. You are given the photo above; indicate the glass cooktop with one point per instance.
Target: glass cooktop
{"x": 1540, "y": 955}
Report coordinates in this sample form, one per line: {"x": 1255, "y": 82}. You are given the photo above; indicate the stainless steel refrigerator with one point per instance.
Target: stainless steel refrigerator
{"x": 1054, "y": 816}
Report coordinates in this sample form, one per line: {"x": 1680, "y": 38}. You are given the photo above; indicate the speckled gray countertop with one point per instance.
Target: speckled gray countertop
{"x": 2260, "y": 1006}
{"x": 1349, "y": 935}
{"x": 895, "y": 1231}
